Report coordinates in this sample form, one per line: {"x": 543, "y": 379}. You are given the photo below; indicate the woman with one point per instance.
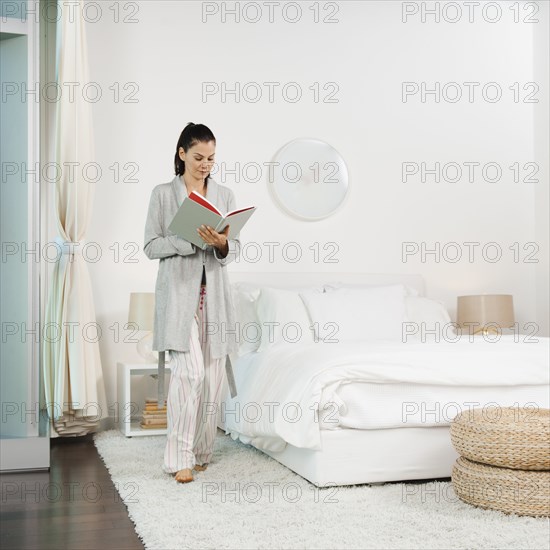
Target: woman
{"x": 182, "y": 310}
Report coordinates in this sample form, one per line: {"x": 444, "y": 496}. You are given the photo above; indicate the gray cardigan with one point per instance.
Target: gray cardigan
{"x": 180, "y": 272}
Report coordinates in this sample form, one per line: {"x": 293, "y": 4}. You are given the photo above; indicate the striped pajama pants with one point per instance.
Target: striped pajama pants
{"x": 193, "y": 399}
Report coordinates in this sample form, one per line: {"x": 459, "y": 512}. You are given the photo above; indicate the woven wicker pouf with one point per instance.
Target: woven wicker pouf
{"x": 511, "y": 437}
{"x": 521, "y": 492}
{"x": 505, "y": 459}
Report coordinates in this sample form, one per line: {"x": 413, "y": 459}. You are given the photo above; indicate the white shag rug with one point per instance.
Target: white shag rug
{"x": 247, "y": 500}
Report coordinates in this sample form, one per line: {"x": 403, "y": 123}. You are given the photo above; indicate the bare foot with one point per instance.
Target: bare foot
{"x": 200, "y": 468}
{"x": 184, "y": 476}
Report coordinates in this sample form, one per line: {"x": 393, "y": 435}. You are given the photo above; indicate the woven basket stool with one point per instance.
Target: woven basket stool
{"x": 521, "y": 492}
{"x": 512, "y": 437}
{"x": 505, "y": 459}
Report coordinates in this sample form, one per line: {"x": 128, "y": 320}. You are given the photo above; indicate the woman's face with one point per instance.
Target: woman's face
{"x": 199, "y": 159}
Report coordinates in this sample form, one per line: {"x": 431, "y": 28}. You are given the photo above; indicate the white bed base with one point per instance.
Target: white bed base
{"x": 351, "y": 457}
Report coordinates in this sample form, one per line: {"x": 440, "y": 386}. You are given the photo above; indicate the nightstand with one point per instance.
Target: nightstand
{"x": 129, "y": 410}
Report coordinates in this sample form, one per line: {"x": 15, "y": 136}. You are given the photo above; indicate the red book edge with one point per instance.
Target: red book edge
{"x": 203, "y": 202}
{"x": 238, "y": 211}
{"x": 207, "y": 204}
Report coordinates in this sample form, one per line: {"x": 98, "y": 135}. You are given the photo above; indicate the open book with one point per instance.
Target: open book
{"x": 195, "y": 211}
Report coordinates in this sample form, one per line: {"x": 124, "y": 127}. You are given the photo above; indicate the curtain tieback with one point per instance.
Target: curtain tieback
{"x": 69, "y": 247}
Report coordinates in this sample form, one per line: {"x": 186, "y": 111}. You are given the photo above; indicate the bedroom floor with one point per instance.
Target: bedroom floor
{"x": 74, "y": 505}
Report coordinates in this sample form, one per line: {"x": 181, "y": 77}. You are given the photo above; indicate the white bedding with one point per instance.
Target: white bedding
{"x": 281, "y": 389}
{"x": 368, "y": 405}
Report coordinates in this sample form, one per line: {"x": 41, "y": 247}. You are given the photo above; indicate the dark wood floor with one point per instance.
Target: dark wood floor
{"x": 73, "y": 505}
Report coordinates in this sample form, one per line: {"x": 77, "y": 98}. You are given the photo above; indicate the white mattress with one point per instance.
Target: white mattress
{"x": 365, "y": 405}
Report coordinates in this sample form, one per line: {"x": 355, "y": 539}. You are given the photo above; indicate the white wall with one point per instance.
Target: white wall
{"x": 169, "y": 52}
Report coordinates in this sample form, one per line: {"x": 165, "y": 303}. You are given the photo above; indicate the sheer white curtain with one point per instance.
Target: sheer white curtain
{"x": 73, "y": 377}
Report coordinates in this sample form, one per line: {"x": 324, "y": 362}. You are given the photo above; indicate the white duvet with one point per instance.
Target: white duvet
{"x": 282, "y": 389}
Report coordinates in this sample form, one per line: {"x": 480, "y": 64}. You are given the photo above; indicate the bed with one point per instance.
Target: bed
{"x": 364, "y": 408}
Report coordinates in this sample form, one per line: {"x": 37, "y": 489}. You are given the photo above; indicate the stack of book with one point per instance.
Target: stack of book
{"x": 153, "y": 418}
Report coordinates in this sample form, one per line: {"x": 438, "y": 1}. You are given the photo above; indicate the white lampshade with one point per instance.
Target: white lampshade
{"x": 486, "y": 311}
{"x": 142, "y": 310}
{"x": 142, "y": 313}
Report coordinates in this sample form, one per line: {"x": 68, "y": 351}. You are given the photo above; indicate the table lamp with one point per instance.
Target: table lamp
{"x": 142, "y": 314}
{"x": 485, "y": 313}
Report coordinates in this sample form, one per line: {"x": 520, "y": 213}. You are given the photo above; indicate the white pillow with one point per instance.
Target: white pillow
{"x": 427, "y": 310}
{"x": 328, "y": 287}
{"x": 247, "y": 290}
{"x": 425, "y": 315}
{"x": 249, "y": 331}
{"x": 286, "y": 309}
{"x": 245, "y": 295}
{"x": 367, "y": 313}
{"x": 252, "y": 290}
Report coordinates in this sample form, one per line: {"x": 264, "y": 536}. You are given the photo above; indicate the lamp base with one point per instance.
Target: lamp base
{"x": 145, "y": 349}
